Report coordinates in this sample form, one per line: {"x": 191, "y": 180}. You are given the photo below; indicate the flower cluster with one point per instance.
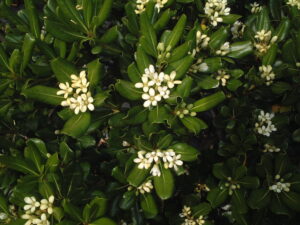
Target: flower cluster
{"x": 231, "y": 186}
{"x": 202, "y": 41}
{"x": 156, "y": 86}
{"x": 264, "y": 126}
{"x": 201, "y": 187}
{"x": 224, "y": 49}
{"x": 222, "y": 76}
{"x": 215, "y": 9}
{"x": 280, "y": 186}
{"x": 140, "y": 5}
{"x": 38, "y": 212}
{"x": 76, "y": 95}
{"x": 264, "y": 40}
{"x": 267, "y": 74}
{"x": 145, "y": 187}
{"x": 153, "y": 159}
{"x": 238, "y": 29}
{"x": 255, "y": 7}
{"x": 271, "y": 148}
{"x": 183, "y": 110}
{"x": 295, "y": 3}
{"x": 189, "y": 219}
{"x": 199, "y": 66}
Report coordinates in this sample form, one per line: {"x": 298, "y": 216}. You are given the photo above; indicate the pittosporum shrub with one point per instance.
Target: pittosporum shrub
{"x": 180, "y": 112}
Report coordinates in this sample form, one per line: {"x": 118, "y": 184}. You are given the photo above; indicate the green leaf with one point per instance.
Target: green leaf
{"x": 63, "y": 69}
{"x": 296, "y": 135}
{"x": 39, "y": 145}
{"x": 184, "y": 89}
{"x": 213, "y": 64}
{"x": 52, "y": 162}
{"x": 187, "y": 152}
{"x": 281, "y": 87}
{"x": 249, "y": 182}
{"x": 165, "y": 141}
{"x": 19, "y": 165}
{"x": 27, "y": 49}
{"x": 292, "y": 200}
{"x": 148, "y": 32}
{"x": 15, "y": 61}
{"x": 128, "y": 200}
{"x": 289, "y": 52}
{"x": 77, "y": 125}
{"x": 282, "y": 30}
{"x": 110, "y": 35}
{"x": 218, "y": 38}
{"x": 259, "y": 198}
{"x": 240, "y": 49}
{"x": 66, "y": 153}
{"x": 95, "y": 72}
{"x": 158, "y": 114}
{"x": 176, "y": 33}
{"x": 133, "y": 73}
{"x": 149, "y": 206}
{"x": 181, "y": 66}
{"x": 231, "y": 18}
{"x": 3, "y": 204}
{"x": 233, "y": 85}
{"x": 98, "y": 207}
{"x": 164, "y": 184}
{"x": 103, "y": 13}
{"x": 103, "y": 221}
{"x": 208, "y": 102}
{"x": 128, "y": 90}
{"x": 137, "y": 176}
{"x": 193, "y": 124}
{"x": 143, "y": 61}
{"x": 201, "y": 209}
{"x": 32, "y": 154}
{"x": 180, "y": 52}
{"x": 3, "y": 58}
{"x": 220, "y": 171}
{"x": 270, "y": 57}
{"x": 33, "y": 18}
{"x": 43, "y": 94}
{"x": 73, "y": 211}
{"x": 163, "y": 20}
{"x": 207, "y": 82}
{"x": 137, "y": 115}
{"x": 62, "y": 31}
{"x": 217, "y": 196}
{"x": 263, "y": 20}
{"x": 239, "y": 202}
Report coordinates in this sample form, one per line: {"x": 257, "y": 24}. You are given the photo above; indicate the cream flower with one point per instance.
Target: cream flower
{"x": 170, "y": 79}
{"x": 32, "y": 204}
{"x": 66, "y": 89}
{"x": 146, "y": 84}
{"x": 47, "y": 204}
{"x": 151, "y": 98}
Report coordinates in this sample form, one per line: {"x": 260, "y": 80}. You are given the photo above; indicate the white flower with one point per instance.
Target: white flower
{"x": 267, "y": 74}
{"x": 155, "y": 171}
{"x": 80, "y": 82}
{"x": 170, "y": 79}
{"x": 30, "y": 218}
{"x": 66, "y": 90}
{"x": 82, "y": 103}
{"x": 186, "y": 211}
{"x": 200, "y": 220}
{"x": 295, "y": 3}
{"x": 263, "y": 35}
{"x": 32, "y": 204}
{"x": 151, "y": 98}
{"x": 145, "y": 83}
{"x": 224, "y": 50}
{"x": 160, "y": 4}
{"x": 222, "y": 77}
{"x": 214, "y": 9}
{"x": 154, "y": 156}
{"x": 237, "y": 29}
{"x": 3, "y": 216}
{"x": 47, "y": 204}
{"x": 142, "y": 161}
{"x": 145, "y": 187}
{"x": 264, "y": 125}
{"x": 271, "y": 148}
{"x": 255, "y": 7}
{"x": 264, "y": 40}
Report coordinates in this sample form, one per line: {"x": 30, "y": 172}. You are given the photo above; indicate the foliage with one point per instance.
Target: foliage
{"x": 149, "y": 112}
